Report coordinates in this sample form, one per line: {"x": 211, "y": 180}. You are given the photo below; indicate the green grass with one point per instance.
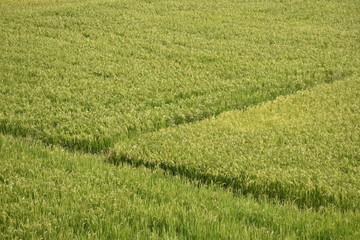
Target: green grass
{"x": 303, "y": 148}
{"x": 49, "y": 193}
{"x": 85, "y": 74}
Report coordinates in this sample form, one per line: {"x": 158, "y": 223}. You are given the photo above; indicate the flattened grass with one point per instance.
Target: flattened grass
{"x": 303, "y": 148}
{"x": 52, "y": 194}
{"x": 85, "y": 74}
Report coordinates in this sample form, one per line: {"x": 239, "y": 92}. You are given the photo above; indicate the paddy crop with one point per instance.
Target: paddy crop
{"x": 303, "y": 148}
{"x": 52, "y": 194}
{"x": 85, "y": 74}
{"x": 133, "y": 81}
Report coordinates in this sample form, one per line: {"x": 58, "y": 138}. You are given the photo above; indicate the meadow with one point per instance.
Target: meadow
{"x": 162, "y": 119}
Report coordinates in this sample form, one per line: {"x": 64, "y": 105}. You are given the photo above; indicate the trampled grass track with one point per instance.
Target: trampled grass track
{"x": 52, "y": 194}
{"x": 303, "y": 148}
{"x": 85, "y": 74}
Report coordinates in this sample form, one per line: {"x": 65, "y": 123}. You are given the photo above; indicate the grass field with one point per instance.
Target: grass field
{"x": 193, "y": 119}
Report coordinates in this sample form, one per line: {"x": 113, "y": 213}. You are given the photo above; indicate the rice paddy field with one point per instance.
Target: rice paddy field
{"x": 161, "y": 119}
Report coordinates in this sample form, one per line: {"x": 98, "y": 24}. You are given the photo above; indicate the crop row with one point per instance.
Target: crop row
{"x": 49, "y": 193}
{"x": 85, "y": 74}
{"x": 303, "y": 147}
